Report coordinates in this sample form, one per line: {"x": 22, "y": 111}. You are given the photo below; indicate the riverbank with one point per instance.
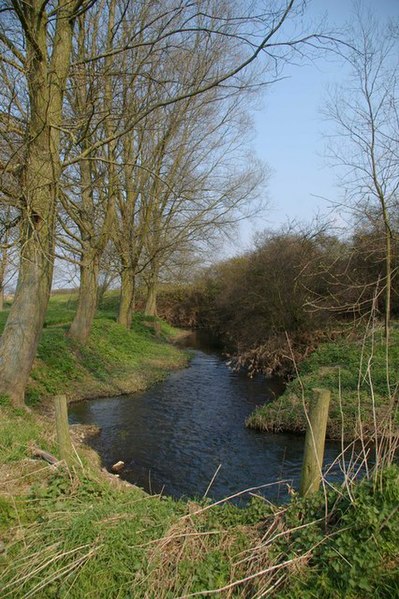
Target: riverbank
{"x": 77, "y": 533}
{"x": 355, "y": 372}
{"x": 114, "y": 360}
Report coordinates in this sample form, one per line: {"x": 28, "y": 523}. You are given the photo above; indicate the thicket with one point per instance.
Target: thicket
{"x": 276, "y": 302}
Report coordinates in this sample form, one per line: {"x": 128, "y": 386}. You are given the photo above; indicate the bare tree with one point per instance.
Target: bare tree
{"x": 41, "y": 50}
{"x": 365, "y": 112}
{"x": 36, "y": 40}
{"x": 94, "y": 210}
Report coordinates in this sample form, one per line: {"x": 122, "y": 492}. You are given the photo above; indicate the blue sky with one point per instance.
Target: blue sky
{"x": 290, "y": 130}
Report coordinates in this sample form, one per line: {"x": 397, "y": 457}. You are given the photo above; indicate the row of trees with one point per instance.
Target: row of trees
{"x": 121, "y": 141}
{"x": 121, "y": 126}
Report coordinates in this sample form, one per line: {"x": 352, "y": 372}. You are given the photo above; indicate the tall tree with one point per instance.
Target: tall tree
{"x": 94, "y": 215}
{"x": 45, "y": 31}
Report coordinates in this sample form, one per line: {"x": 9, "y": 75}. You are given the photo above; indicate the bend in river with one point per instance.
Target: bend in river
{"x": 174, "y": 436}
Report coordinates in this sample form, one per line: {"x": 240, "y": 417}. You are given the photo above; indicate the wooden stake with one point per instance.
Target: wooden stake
{"x": 63, "y": 435}
{"x": 315, "y": 442}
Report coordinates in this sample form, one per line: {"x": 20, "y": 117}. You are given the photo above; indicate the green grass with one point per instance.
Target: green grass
{"x": 61, "y": 309}
{"x": 352, "y": 542}
{"x": 114, "y": 360}
{"x": 80, "y": 537}
{"x": 354, "y": 372}
{"x": 17, "y": 430}
{"x": 77, "y": 534}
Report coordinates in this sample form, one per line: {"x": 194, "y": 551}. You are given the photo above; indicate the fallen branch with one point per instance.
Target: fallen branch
{"x": 44, "y": 455}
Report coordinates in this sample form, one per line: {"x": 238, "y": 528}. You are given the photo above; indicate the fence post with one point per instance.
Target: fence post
{"x": 63, "y": 436}
{"x": 315, "y": 442}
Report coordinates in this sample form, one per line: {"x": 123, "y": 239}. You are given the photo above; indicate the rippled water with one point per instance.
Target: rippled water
{"x": 174, "y": 436}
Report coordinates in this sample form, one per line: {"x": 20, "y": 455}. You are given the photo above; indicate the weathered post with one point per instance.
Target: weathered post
{"x": 63, "y": 436}
{"x": 314, "y": 442}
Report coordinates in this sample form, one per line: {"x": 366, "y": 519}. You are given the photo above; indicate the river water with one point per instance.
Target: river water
{"x": 176, "y": 435}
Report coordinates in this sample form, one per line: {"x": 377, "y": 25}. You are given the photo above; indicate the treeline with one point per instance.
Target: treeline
{"x": 123, "y": 155}
{"x": 294, "y": 287}
{"x": 122, "y": 146}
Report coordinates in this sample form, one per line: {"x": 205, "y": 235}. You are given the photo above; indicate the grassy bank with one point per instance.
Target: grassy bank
{"x": 82, "y": 533}
{"x": 355, "y": 373}
{"x": 77, "y": 534}
{"x": 113, "y": 361}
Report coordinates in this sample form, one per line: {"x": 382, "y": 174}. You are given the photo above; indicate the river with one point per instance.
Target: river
{"x": 176, "y": 435}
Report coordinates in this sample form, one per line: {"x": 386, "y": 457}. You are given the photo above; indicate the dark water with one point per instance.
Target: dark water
{"x": 174, "y": 436}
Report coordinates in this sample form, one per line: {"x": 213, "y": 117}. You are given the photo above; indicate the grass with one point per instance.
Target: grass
{"x": 354, "y": 372}
{"x": 353, "y": 541}
{"x": 79, "y": 533}
{"x": 17, "y": 430}
{"x": 76, "y": 535}
{"x": 81, "y": 537}
{"x": 113, "y": 361}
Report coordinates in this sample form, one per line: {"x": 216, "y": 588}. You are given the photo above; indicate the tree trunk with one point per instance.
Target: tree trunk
{"x": 25, "y": 321}
{"x": 126, "y": 305}
{"x": 388, "y": 292}
{"x": 388, "y": 275}
{"x": 87, "y": 300}
{"x": 46, "y": 80}
{"x": 102, "y": 288}
{"x": 3, "y": 266}
{"x": 89, "y": 262}
{"x": 151, "y": 303}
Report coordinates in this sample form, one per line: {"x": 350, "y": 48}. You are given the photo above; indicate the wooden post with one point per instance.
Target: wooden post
{"x": 62, "y": 426}
{"x": 314, "y": 442}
